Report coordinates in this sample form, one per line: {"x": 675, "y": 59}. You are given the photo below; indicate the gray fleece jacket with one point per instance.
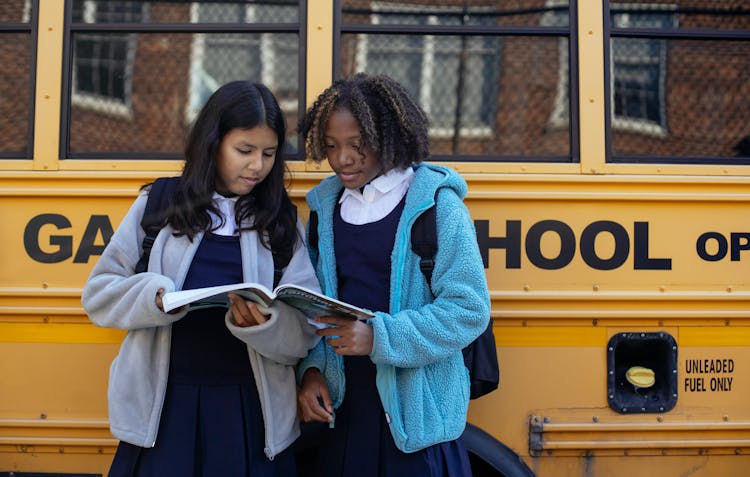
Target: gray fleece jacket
{"x": 115, "y": 297}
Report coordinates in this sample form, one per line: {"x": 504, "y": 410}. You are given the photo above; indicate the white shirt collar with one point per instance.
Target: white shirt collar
{"x": 379, "y": 186}
{"x": 378, "y": 198}
{"x": 226, "y": 207}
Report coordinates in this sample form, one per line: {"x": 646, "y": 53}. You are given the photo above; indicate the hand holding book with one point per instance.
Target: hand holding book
{"x": 245, "y": 313}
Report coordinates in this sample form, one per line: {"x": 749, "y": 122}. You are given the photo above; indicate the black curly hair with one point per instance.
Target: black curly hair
{"x": 391, "y": 122}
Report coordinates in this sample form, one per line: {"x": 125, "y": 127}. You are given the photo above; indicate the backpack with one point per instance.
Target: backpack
{"x": 480, "y": 356}
{"x": 159, "y": 199}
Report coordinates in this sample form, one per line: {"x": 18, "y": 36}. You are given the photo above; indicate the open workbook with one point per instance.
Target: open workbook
{"x": 312, "y": 304}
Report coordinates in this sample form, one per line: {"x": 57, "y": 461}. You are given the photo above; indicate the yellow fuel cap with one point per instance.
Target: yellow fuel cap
{"x": 640, "y": 377}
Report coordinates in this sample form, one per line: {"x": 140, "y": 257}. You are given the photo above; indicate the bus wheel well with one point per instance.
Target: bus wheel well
{"x": 490, "y": 457}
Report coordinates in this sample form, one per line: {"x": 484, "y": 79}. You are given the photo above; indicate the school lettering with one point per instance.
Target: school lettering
{"x": 45, "y": 247}
{"x": 513, "y": 240}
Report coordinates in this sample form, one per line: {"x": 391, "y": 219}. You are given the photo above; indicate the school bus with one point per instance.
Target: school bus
{"x": 607, "y": 150}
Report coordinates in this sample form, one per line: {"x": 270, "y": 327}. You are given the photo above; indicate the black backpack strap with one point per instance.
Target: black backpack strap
{"x": 281, "y": 258}
{"x": 312, "y": 226}
{"x": 278, "y": 270}
{"x": 312, "y": 230}
{"x": 159, "y": 198}
{"x": 424, "y": 242}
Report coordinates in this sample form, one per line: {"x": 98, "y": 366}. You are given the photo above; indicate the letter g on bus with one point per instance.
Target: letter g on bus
{"x": 62, "y": 245}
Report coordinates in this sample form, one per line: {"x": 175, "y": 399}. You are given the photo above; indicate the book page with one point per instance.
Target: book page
{"x": 314, "y": 304}
{"x": 216, "y": 296}
{"x": 311, "y": 303}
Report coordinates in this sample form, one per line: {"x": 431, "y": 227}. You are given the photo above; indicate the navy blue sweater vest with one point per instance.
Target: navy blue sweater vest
{"x": 363, "y": 259}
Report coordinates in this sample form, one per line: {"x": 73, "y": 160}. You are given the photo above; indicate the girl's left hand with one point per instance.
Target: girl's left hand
{"x": 353, "y": 337}
{"x": 245, "y": 313}
{"x": 160, "y": 303}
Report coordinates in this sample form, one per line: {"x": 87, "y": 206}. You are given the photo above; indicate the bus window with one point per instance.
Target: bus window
{"x": 139, "y": 71}
{"x": 490, "y": 93}
{"x": 17, "y": 39}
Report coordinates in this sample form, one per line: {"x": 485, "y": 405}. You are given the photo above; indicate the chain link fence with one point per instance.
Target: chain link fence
{"x": 685, "y": 93}
{"x": 15, "y": 71}
{"x": 493, "y": 83}
{"x": 138, "y": 92}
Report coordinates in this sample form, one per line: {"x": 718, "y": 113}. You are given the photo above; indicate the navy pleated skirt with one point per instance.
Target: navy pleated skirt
{"x": 360, "y": 444}
{"x": 211, "y": 422}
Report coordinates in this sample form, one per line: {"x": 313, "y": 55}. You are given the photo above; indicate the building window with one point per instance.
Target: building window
{"x": 140, "y": 70}
{"x": 103, "y": 62}
{"x": 18, "y": 27}
{"x": 638, "y": 70}
{"x": 442, "y": 71}
{"x": 557, "y": 16}
{"x": 675, "y": 82}
{"x": 485, "y": 72}
{"x": 273, "y": 58}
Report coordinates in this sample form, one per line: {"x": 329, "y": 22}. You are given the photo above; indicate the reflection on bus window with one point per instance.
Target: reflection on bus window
{"x": 103, "y": 62}
{"x": 134, "y": 90}
{"x": 639, "y": 69}
{"x": 677, "y": 74}
{"x": 16, "y": 78}
{"x": 271, "y": 58}
{"x": 489, "y": 93}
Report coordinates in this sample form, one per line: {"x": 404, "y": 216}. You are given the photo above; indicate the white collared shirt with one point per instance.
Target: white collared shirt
{"x": 377, "y": 199}
{"x": 226, "y": 206}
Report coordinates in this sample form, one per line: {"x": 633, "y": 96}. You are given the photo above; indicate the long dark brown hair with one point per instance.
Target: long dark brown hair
{"x": 235, "y": 105}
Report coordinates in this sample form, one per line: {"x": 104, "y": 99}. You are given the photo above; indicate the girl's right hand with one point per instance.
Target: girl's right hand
{"x": 314, "y": 399}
